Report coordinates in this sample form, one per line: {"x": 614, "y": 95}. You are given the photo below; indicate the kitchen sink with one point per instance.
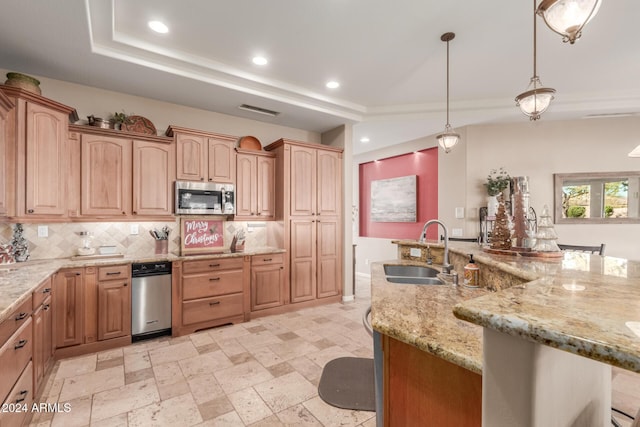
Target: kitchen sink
{"x": 412, "y": 274}
{"x": 410, "y": 271}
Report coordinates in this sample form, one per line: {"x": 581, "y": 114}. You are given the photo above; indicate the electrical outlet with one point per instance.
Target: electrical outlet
{"x": 366, "y": 261}
{"x": 415, "y": 252}
{"x": 133, "y": 229}
{"x": 459, "y": 213}
{"x": 43, "y": 231}
{"x": 456, "y": 232}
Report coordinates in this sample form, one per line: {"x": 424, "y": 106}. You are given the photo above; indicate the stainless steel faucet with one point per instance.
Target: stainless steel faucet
{"x": 446, "y": 267}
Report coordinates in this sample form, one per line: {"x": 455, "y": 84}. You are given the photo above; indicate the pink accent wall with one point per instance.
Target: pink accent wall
{"x": 424, "y": 164}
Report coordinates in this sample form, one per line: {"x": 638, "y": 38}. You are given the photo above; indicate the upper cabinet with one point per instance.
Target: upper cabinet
{"x": 204, "y": 156}
{"x": 6, "y": 105}
{"x": 125, "y": 178}
{"x": 36, "y": 135}
{"x": 255, "y": 185}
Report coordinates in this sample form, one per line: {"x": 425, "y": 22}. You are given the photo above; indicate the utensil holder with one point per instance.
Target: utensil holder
{"x": 162, "y": 247}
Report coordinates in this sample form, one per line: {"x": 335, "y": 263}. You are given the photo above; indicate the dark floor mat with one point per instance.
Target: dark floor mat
{"x": 347, "y": 383}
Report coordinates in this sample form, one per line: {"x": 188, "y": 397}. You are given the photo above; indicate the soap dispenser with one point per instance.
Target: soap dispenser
{"x": 471, "y": 274}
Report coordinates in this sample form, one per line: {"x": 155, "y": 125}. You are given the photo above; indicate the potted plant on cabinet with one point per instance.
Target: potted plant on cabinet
{"x": 497, "y": 181}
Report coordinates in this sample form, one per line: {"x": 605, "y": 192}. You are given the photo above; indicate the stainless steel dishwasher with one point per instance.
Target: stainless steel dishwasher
{"x": 150, "y": 300}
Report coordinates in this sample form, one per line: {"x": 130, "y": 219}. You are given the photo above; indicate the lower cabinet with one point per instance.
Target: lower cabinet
{"x": 19, "y": 401}
{"x": 267, "y": 281}
{"x": 92, "y": 309}
{"x": 211, "y": 293}
{"x": 42, "y": 332}
{"x": 421, "y": 389}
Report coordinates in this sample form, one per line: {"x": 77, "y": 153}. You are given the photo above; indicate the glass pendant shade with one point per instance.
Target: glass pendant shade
{"x": 535, "y": 100}
{"x": 568, "y": 17}
{"x": 448, "y": 139}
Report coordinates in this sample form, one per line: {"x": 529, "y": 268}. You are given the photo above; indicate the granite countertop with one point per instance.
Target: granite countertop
{"x": 601, "y": 321}
{"x": 18, "y": 280}
{"x": 421, "y": 315}
{"x": 584, "y": 304}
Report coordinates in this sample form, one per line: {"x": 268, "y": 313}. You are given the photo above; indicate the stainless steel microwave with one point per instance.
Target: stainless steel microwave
{"x": 204, "y": 198}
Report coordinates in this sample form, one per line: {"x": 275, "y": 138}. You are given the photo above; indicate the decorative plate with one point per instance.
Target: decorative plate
{"x": 139, "y": 124}
{"x": 249, "y": 143}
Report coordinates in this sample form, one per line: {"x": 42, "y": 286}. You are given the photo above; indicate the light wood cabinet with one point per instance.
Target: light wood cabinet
{"x": 210, "y": 292}
{"x": 42, "y": 332}
{"x": 16, "y": 348}
{"x": 21, "y": 394}
{"x": 421, "y": 389}
{"x": 255, "y": 185}
{"x": 6, "y": 157}
{"x": 204, "y": 156}
{"x": 114, "y": 309}
{"x": 310, "y": 209}
{"x": 106, "y": 176}
{"x": 153, "y": 175}
{"x": 68, "y": 300}
{"x": 36, "y": 150}
{"x": 267, "y": 281}
{"x": 123, "y": 178}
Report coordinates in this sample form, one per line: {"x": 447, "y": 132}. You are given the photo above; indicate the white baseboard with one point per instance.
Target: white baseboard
{"x": 348, "y": 298}
{"x": 365, "y": 275}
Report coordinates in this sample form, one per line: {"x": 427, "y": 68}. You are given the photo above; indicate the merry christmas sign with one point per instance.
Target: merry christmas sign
{"x": 201, "y": 236}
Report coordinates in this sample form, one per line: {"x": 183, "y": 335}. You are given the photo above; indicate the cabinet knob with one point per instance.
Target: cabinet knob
{"x": 46, "y": 307}
{"x": 252, "y": 213}
{"x": 210, "y": 179}
{"x": 134, "y": 212}
{"x": 30, "y": 211}
{"x": 259, "y": 213}
{"x": 78, "y": 274}
{"x": 201, "y": 179}
{"x": 313, "y": 213}
{"x": 214, "y": 265}
{"x": 124, "y": 284}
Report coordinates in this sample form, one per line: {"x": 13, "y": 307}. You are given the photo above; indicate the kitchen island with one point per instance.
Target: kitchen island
{"x": 582, "y": 306}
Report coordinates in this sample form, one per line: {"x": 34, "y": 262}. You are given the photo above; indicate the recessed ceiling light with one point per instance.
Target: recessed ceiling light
{"x": 158, "y": 27}
{"x": 364, "y": 139}
{"x": 333, "y": 84}
{"x": 260, "y": 60}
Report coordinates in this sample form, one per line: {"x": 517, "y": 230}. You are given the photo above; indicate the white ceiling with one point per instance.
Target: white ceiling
{"x": 387, "y": 56}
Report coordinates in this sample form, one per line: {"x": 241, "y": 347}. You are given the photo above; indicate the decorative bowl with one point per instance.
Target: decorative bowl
{"x": 23, "y": 81}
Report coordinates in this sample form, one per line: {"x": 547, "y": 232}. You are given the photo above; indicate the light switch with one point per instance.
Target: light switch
{"x": 43, "y": 231}
{"x": 133, "y": 229}
{"x": 456, "y": 232}
{"x": 459, "y": 213}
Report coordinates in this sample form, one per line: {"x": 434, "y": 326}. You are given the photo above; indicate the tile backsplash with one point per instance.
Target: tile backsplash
{"x": 64, "y": 239}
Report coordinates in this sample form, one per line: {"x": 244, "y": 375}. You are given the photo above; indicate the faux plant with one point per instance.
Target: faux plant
{"x": 120, "y": 117}
{"x": 497, "y": 181}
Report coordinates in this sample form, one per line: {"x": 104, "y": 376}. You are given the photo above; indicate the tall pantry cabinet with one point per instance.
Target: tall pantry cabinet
{"x": 309, "y": 216}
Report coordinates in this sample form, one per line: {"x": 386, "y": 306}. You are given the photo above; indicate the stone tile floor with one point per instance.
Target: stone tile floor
{"x": 261, "y": 373}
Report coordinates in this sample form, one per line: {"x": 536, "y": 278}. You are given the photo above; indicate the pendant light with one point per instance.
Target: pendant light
{"x": 536, "y": 99}
{"x": 448, "y": 139}
{"x": 568, "y": 17}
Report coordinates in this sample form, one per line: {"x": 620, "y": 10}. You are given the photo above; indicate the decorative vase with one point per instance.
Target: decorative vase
{"x": 23, "y": 81}
{"x": 492, "y": 206}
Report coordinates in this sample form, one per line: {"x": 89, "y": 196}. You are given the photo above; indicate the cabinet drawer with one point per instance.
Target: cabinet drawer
{"x": 41, "y": 292}
{"x": 16, "y": 319}
{"x": 267, "y": 259}
{"x": 206, "y": 309}
{"x": 213, "y": 264}
{"x": 111, "y": 272}
{"x": 212, "y": 284}
{"x": 14, "y": 356}
{"x": 19, "y": 399}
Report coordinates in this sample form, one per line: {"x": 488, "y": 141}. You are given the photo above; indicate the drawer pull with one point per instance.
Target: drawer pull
{"x": 214, "y": 279}
{"x": 214, "y": 303}
{"x": 214, "y": 265}
{"x": 20, "y": 344}
{"x": 46, "y": 307}
{"x": 21, "y": 316}
{"x": 23, "y": 396}
{"x": 114, "y": 273}
{"x": 267, "y": 259}
{"x": 46, "y": 290}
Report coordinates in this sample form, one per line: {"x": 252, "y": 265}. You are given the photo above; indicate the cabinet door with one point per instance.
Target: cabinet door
{"x": 266, "y": 187}
{"x": 114, "y": 309}
{"x": 4, "y": 166}
{"x": 329, "y": 183}
{"x": 245, "y": 186}
{"x": 303, "y": 181}
{"x": 47, "y": 326}
{"x": 46, "y": 165}
{"x": 329, "y": 255}
{"x": 106, "y": 176}
{"x": 266, "y": 286}
{"x": 153, "y": 176}
{"x": 68, "y": 307}
{"x": 191, "y": 157}
{"x": 38, "y": 346}
{"x": 222, "y": 161}
{"x": 303, "y": 260}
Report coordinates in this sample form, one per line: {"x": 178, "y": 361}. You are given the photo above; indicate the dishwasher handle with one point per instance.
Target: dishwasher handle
{"x": 366, "y": 322}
